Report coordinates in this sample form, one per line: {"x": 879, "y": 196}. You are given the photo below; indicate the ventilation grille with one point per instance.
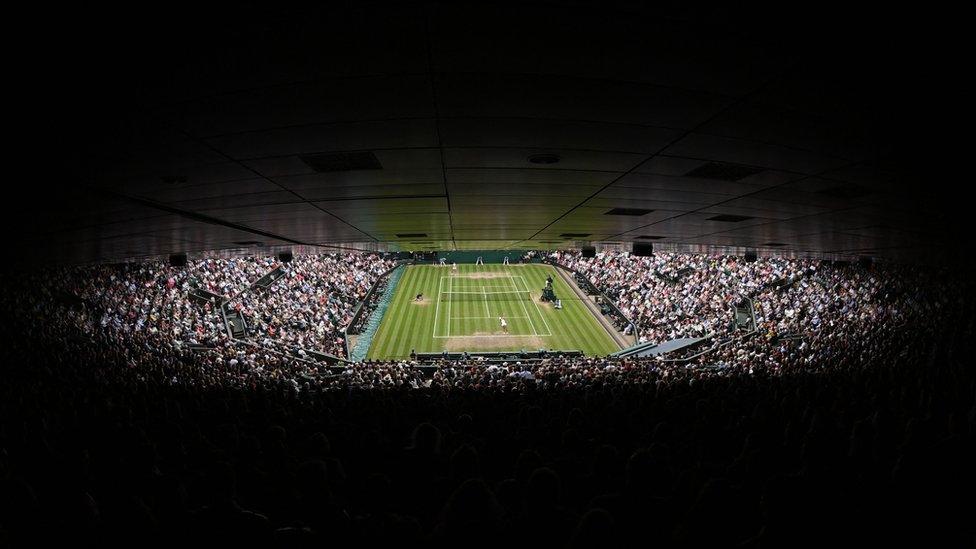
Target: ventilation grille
{"x": 628, "y": 211}
{"x": 729, "y": 218}
{"x": 723, "y": 171}
{"x": 342, "y": 161}
{"x": 648, "y": 237}
{"x": 847, "y": 190}
{"x": 575, "y": 235}
{"x": 411, "y": 235}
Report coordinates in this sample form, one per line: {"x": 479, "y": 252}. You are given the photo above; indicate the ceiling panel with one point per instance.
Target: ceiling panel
{"x": 226, "y": 189}
{"x": 568, "y": 159}
{"x": 595, "y": 219}
{"x": 393, "y": 161}
{"x": 516, "y": 189}
{"x": 567, "y": 179}
{"x": 198, "y": 143}
{"x": 669, "y": 50}
{"x": 792, "y": 127}
{"x": 754, "y": 153}
{"x": 764, "y": 208}
{"x": 385, "y": 206}
{"x": 314, "y": 193}
{"x": 620, "y": 196}
{"x": 558, "y": 134}
{"x": 237, "y": 201}
{"x": 567, "y": 98}
{"x": 333, "y": 100}
{"x": 342, "y": 136}
{"x": 361, "y": 178}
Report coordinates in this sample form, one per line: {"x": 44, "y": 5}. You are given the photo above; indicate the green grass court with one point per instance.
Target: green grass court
{"x": 460, "y": 312}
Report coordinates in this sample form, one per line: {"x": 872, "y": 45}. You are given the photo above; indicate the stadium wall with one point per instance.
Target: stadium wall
{"x": 488, "y": 256}
{"x": 603, "y": 298}
{"x": 359, "y": 308}
{"x": 365, "y": 339}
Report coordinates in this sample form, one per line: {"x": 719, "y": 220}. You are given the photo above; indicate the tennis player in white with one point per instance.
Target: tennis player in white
{"x": 504, "y": 324}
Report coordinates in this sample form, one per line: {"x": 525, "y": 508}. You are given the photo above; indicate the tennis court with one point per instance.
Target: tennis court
{"x": 460, "y": 310}
{"x": 473, "y": 304}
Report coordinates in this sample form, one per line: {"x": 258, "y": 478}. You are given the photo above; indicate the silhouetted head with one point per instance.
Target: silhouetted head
{"x": 426, "y": 438}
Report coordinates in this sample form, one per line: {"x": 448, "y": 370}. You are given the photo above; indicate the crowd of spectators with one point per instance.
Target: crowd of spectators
{"x": 805, "y": 311}
{"x": 670, "y": 295}
{"x": 149, "y": 303}
{"x": 368, "y": 306}
{"x": 108, "y": 437}
{"x": 311, "y": 306}
{"x": 807, "y": 314}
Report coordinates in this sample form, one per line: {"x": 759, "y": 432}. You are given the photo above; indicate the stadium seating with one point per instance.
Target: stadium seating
{"x": 128, "y": 412}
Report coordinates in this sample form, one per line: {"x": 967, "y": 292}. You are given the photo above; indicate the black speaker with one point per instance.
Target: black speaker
{"x": 177, "y": 260}
{"x": 864, "y": 262}
{"x": 284, "y": 257}
{"x": 751, "y": 257}
{"x": 589, "y": 251}
{"x": 643, "y": 249}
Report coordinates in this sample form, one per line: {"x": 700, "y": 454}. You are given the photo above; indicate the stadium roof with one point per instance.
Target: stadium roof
{"x": 482, "y": 125}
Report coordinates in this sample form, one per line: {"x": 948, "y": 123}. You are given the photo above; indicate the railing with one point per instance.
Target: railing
{"x": 269, "y": 278}
{"x": 283, "y": 355}
{"x": 710, "y": 349}
{"x": 783, "y": 283}
{"x": 237, "y": 336}
{"x": 223, "y": 315}
{"x": 358, "y": 351}
{"x": 205, "y": 296}
{"x": 713, "y": 348}
{"x": 746, "y": 309}
{"x": 641, "y": 348}
{"x": 234, "y": 321}
{"x": 678, "y": 275}
{"x": 345, "y": 343}
{"x": 635, "y": 349}
{"x": 492, "y": 357}
{"x": 352, "y": 327}
{"x": 580, "y": 277}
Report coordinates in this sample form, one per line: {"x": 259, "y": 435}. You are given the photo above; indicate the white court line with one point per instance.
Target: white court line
{"x": 485, "y": 317}
{"x": 548, "y": 329}
{"x": 534, "y": 331}
{"x": 437, "y": 307}
{"x": 506, "y": 292}
{"x": 450, "y": 287}
{"x": 450, "y": 290}
{"x": 494, "y": 335}
{"x": 477, "y": 276}
{"x": 487, "y": 310}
